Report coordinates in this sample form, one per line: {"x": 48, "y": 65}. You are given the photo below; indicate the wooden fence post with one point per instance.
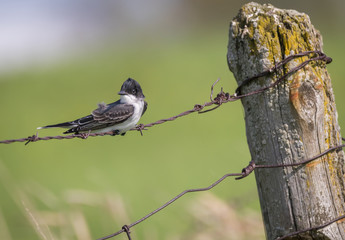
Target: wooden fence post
{"x": 293, "y": 121}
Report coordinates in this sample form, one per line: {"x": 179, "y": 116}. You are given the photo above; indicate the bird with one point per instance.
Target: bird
{"x": 117, "y": 117}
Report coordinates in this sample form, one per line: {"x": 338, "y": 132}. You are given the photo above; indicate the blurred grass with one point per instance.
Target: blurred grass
{"x": 143, "y": 172}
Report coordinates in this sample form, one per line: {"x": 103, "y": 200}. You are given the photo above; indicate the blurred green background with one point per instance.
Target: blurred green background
{"x": 58, "y": 59}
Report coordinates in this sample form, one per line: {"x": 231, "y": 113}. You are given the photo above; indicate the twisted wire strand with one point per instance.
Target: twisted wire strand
{"x": 221, "y": 98}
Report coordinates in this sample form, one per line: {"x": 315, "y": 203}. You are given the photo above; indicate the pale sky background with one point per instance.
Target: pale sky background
{"x": 41, "y": 32}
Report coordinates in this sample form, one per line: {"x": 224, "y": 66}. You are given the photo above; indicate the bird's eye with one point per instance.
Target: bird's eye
{"x": 134, "y": 91}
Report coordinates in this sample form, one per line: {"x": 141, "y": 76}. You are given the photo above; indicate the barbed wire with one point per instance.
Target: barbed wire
{"x": 221, "y": 98}
{"x": 245, "y": 172}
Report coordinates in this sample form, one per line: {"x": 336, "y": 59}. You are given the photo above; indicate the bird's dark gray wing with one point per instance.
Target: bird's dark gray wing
{"x": 83, "y": 124}
{"x": 102, "y": 117}
{"x": 145, "y": 108}
{"x": 113, "y": 113}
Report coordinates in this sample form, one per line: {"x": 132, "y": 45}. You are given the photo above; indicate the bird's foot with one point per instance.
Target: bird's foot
{"x": 84, "y": 135}
{"x": 115, "y": 132}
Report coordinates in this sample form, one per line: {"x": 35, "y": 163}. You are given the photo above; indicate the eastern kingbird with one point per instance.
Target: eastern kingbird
{"x": 119, "y": 116}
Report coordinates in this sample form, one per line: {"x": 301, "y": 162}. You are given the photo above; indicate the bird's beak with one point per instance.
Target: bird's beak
{"x": 122, "y": 93}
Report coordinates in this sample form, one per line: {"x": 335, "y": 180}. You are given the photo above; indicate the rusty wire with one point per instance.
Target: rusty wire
{"x": 221, "y": 98}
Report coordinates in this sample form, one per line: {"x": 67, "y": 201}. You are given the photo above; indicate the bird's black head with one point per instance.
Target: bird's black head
{"x": 130, "y": 86}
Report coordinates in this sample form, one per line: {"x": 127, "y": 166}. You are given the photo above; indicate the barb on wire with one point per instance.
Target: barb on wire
{"x": 214, "y": 84}
{"x": 221, "y": 98}
{"x": 32, "y": 138}
{"x": 312, "y": 228}
{"x": 127, "y": 231}
{"x": 245, "y": 172}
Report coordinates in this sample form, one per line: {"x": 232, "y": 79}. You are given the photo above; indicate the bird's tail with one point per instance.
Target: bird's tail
{"x": 61, "y": 125}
